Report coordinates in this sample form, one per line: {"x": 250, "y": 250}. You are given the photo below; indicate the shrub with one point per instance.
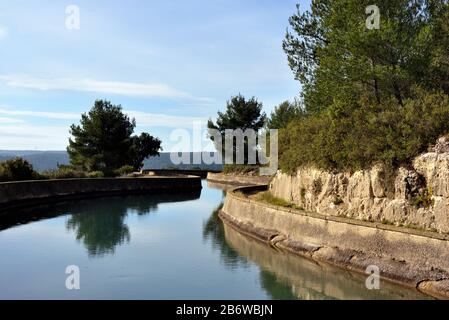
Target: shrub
{"x": 123, "y": 171}
{"x": 424, "y": 199}
{"x": 95, "y": 174}
{"x": 268, "y": 197}
{"x": 303, "y": 195}
{"x": 358, "y": 136}
{"x": 338, "y": 200}
{"x": 240, "y": 169}
{"x": 17, "y": 169}
{"x": 65, "y": 172}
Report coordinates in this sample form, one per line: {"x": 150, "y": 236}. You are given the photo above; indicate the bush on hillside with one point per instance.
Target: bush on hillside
{"x": 241, "y": 169}
{"x": 64, "y": 172}
{"x": 123, "y": 171}
{"x": 17, "y": 169}
{"x": 386, "y": 133}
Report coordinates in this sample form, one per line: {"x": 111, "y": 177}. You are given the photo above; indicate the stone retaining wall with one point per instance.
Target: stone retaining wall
{"x": 416, "y": 197}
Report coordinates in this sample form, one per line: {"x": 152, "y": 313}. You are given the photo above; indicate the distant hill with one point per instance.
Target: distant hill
{"x": 47, "y": 160}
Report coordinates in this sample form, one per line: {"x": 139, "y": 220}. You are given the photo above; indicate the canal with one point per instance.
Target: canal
{"x": 159, "y": 247}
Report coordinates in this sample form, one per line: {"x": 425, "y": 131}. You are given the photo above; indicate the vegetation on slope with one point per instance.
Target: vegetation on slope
{"x": 368, "y": 95}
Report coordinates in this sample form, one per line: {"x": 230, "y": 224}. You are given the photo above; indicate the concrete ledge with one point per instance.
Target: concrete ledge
{"x": 240, "y": 180}
{"x": 167, "y": 172}
{"x": 406, "y": 256}
{"x": 20, "y": 194}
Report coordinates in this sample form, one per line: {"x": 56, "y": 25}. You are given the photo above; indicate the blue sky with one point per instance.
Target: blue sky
{"x": 168, "y": 63}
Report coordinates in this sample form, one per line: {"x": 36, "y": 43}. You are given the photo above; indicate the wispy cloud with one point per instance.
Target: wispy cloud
{"x": 26, "y": 137}
{"x": 133, "y": 89}
{"x": 143, "y": 119}
{"x": 146, "y": 119}
{"x": 38, "y": 114}
{"x": 10, "y": 120}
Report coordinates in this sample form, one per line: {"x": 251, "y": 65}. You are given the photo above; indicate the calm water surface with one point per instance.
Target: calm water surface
{"x": 159, "y": 247}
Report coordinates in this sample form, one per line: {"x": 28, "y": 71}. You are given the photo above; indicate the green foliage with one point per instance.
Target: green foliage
{"x": 423, "y": 199}
{"x": 17, "y": 169}
{"x": 65, "y": 172}
{"x": 241, "y": 113}
{"x": 303, "y": 195}
{"x": 103, "y": 141}
{"x": 123, "y": 171}
{"x": 336, "y": 58}
{"x": 269, "y": 198}
{"x": 284, "y": 114}
{"x": 338, "y": 200}
{"x": 240, "y": 169}
{"x": 385, "y": 133}
{"x": 142, "y": 147}
{"x": 95, "y": 175}
{"x": 369, "y": 95}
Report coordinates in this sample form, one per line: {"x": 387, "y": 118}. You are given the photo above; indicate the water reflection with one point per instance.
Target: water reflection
{"x": 141, "y": 258}
{"x": 101, "y": 227}
{"x": 213, "y": 231}
{"x": 286, "y": 276}
{"x": 100, "y": 224}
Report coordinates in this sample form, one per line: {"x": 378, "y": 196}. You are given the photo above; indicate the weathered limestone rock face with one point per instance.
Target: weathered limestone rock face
{"x": 415, "y": 197}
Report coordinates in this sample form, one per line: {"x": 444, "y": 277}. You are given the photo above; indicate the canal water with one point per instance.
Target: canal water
{"x": 159, "y": 247}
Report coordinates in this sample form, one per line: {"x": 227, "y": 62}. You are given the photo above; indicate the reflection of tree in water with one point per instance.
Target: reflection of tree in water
{"x": 276, "y": 289}
{"x": 100, "y": 223}
{"x": 213, "y": 230}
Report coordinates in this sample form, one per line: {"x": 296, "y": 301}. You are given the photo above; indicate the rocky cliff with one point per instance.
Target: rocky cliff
{"x": 415, "y": 197}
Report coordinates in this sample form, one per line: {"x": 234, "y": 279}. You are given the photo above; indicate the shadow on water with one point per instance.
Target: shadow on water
{"x": 285, "y": 276}
{"x": 99, "y": 223}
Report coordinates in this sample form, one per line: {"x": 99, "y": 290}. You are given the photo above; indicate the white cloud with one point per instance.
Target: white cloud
{"x": 3, "y": 32}
{"x": 47, "y": 115}
{"x": 90, "y": 85}
{"x": 29, "y": 137}
{"x": 143, "y": 119}
{"x": 10, "y": 120}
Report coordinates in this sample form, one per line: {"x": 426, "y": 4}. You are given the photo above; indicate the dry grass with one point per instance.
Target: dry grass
{"x": 268, "y": 197}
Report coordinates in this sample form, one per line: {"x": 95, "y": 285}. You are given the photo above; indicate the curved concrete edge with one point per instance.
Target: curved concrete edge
{"x": 26, "y": 193}
{"x": 407, "y": 257}
{"x": 238, "y": 180}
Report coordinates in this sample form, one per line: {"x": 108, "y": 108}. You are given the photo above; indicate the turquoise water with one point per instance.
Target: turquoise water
{"x": 158, "y": 247}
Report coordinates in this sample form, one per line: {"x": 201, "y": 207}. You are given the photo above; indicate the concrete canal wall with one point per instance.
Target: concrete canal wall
{"x": 17, "y": 194}
{"x": 238, "y": 179}
{"x": 407, "y": 256}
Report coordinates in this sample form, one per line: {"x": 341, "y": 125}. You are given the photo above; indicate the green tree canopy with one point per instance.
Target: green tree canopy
{"x": 17, "y": 169}
{"x": 370, "y": 95}
{"x": 241, "y": 113}
{"x": 335, "y": 56}
{"x": 104, "y": 141}
{"x": 284, "y": 114}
